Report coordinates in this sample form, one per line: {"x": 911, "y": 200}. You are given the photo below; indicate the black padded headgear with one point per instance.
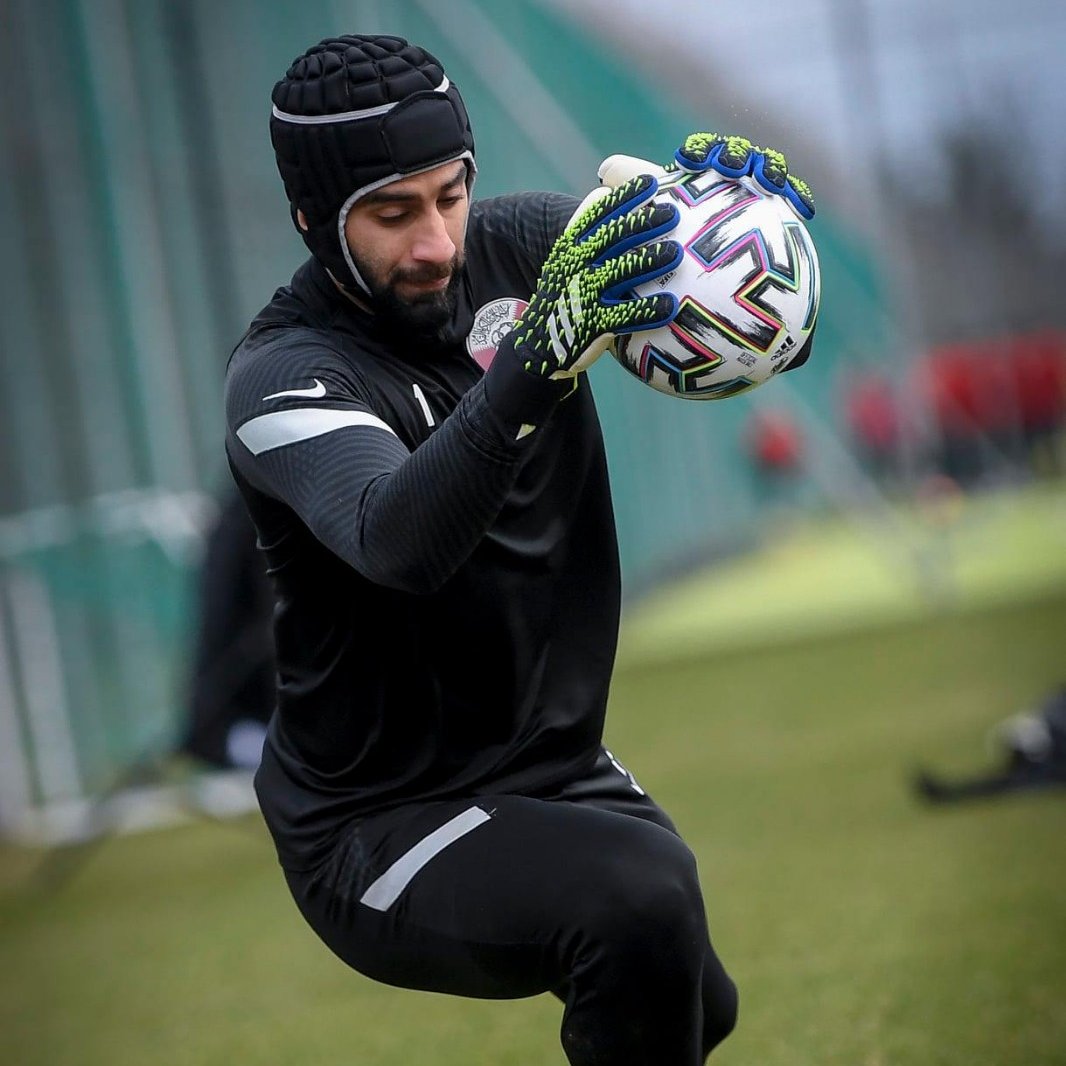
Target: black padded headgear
{"x": 352, "y": 114}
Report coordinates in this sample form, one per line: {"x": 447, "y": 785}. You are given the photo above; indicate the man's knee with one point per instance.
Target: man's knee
{"x": 720, "y": 1005}
{"x": 649, "y": 909}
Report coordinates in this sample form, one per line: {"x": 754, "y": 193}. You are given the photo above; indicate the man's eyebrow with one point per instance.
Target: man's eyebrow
{"x": 386, "y": 195}
{"x": 460, "y": 176}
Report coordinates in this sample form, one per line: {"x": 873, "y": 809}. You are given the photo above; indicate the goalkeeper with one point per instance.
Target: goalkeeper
{"x": 430, "y": 492}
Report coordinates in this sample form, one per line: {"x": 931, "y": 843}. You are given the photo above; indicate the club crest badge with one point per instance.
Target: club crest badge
{"x": 492, "y": 323}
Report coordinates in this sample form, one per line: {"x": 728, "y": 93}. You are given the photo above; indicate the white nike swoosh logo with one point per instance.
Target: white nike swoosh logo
{"x": 317, "y": 391}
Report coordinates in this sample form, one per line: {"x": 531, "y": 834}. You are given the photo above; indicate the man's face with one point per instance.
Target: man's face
{"x": 407, "y": 240}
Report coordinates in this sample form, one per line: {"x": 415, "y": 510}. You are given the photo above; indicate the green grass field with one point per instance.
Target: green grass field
{"x": 863, "y": 928}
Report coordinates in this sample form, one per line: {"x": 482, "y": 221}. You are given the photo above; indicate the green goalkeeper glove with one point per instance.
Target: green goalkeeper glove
{"x": 737, "y": 157}
{"x": 733, "y": 157}
{"x": 584, "y": 293}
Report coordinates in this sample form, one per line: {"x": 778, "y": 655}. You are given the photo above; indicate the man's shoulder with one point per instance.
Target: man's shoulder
{"x": 297, "y": 359}
{"x": 309, "y": 300}
{"x": 306, "y": 320}
{"x": 522, "y": 215}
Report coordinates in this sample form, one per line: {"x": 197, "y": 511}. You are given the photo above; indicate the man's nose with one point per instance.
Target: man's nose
{"x": 432, "y": 243}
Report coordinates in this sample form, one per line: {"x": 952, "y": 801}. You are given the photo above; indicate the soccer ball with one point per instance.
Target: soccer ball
{"x": 748, "y": 287}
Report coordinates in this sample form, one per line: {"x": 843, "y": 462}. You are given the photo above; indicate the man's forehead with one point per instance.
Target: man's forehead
{"x": 420, "y": 184}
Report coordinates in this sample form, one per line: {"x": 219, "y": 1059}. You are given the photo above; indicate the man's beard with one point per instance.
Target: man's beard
{"x": 423, "y": 316}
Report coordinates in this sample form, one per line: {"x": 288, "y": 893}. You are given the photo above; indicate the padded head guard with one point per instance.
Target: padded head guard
{"x": 352, "y": 114}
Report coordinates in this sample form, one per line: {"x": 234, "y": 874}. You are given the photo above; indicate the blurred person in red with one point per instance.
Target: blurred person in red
{"x": 775, "y": 447}
{"x": 872, "y": 416}
{"x": 954, "y": 381}
{"x": 1039, "y": 366}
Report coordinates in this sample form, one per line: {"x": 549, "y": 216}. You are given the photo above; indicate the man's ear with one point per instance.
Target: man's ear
{"x": 301, "y": 220}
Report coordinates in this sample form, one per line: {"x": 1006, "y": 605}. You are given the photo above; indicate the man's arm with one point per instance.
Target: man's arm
{"x": 409, "y": 519}
{"x": 402, "y": 519}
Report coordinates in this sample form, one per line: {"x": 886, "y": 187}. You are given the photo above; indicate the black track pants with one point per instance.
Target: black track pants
{"x": 589, "y": 894}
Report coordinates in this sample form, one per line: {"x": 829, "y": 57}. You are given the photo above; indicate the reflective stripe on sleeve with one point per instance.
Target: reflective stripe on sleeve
{"x": 275, "y": 430}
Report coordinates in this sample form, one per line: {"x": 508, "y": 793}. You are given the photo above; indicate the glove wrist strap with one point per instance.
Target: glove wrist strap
{"x": 517, "y": 397}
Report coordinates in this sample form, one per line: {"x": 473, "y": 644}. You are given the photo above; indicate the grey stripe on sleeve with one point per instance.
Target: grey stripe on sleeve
{"x": 386, "y": 890}
{"x": 279, "y": 428}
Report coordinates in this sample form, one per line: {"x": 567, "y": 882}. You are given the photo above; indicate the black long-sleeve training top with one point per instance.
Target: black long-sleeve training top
{"x": 447, "y": 583}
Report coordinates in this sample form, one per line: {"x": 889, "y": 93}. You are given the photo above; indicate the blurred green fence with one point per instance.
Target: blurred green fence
{"x": 143, "y": 223}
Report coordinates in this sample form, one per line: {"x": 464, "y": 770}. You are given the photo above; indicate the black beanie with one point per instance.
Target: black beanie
{"x": 352, "y": 114}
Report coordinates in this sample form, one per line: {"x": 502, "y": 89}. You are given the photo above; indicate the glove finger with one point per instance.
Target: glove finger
{"x": 728, "y": 154}
{"x": 616, "y": 203}
{"x": 619, "y": 276}
{"x": 799, "y": 195}
{"x": 692, "y": 155}
{"x": 733, "y": 158}
{"x": 770, "y": 170}
{"x": 618, "y": 168}
{"x": 645, "y": 312}
{"x": 643, "y": 224}
{"x": 594, "y": 196}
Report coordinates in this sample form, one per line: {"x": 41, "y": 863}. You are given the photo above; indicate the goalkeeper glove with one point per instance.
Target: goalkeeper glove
{"x": 583, "y": 296}
{"x": 733, "y": 157}
{"x": 737, "y": 157}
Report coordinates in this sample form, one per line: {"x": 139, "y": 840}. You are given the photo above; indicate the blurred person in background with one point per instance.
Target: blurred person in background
{"x": 430, "y": 490}
{"x": 872, "y": 416}
{"x": 1039, "y": 367}
{"x": 231, "y": 684}
{"x": 1031, "y": 746}
{"x": 958, "y": 402}
{"x": 775, "y": 447}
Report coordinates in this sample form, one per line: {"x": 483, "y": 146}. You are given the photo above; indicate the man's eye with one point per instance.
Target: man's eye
{"x": 450, "y": 201}
{"x": 393, "y": 219}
